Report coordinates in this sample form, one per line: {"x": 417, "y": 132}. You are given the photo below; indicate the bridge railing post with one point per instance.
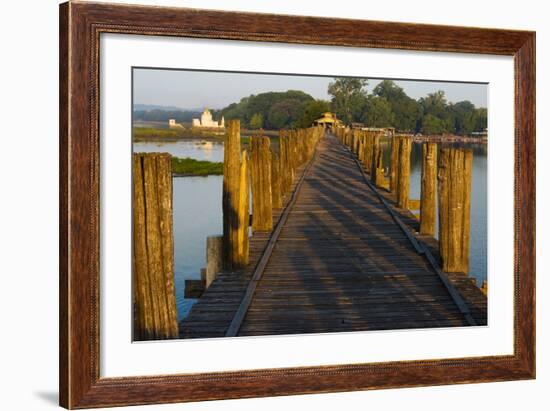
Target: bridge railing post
{"x": 214, "y": 260}
{"x": 287, "y": 175}
{"x": 243, "y": 212}
{"x": 231, "y": 193}
{"x": 260, "y": 170}
{"x": 404, "y": 171}
{"x": 428, "y": 190}
{"x": 276, "y": 184}
{"x": 153, "y": 263}
{"x": 377, "y": 170}
{"x": 454, "y": 190}
{"x": 394, "y": 163}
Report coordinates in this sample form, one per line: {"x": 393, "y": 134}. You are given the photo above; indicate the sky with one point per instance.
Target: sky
{"x": 198, "y": 89}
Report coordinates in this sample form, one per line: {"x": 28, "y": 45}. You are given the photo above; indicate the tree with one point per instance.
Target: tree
{"x": 435, "y": 105}
{"x": 311, "y": 112}
{"x": 481, "y": 119}
{"x": 405, "y": 109}
{"x": 433, "y": 125}
{"x": 463, "y": 117}
{"x": 263, "y": 103}
{"x": 284, "y": 113}
{"x": 257, "y": 121}
{"x": 378, "y": 112}
{"x": 348, "y": 97}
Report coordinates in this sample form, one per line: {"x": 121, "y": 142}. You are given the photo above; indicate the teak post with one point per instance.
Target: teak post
{"x": 276, "y": 185}
{"x": 376, "y": 170}
{"x": 285, "y": 167}
{"x": 214, "y": 260}
{"x": 394, "y": 163}
{"x": 230, "y": 196}
{"x": 428, "y": 189}
{"x": 153, "y": 263}
{"x": 404, "y": 171}
{"x": 454, "y": 189}
{"x": 260, "y": 170}
{"x": 243, "y": 213}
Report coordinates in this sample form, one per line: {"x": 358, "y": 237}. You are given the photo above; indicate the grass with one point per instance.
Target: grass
{"x": 160, "y": 134}
{"x": 146, "y": 132}
{"x": 150, "y": 133}
{"x": 191, "y": 167}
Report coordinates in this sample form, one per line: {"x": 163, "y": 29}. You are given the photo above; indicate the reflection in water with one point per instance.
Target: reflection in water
{"x": 197, "y": 215}
{"x": 198, "y": 209}
{"x": 197, "y": 149}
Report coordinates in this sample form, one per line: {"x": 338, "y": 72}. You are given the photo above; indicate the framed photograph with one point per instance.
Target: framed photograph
{"x": 258, "y": 205}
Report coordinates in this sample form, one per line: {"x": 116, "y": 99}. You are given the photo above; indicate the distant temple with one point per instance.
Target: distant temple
{"x": 207, "y": 122}
{"x": 172, "y": 124}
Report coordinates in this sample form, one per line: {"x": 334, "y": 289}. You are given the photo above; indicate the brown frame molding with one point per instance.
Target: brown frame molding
{"x": 80, "y": 27}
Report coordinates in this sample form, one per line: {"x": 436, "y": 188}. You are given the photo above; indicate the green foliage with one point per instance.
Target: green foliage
{"x": 149, "y": 133}
{"x": 284, "y": 113}
{"x": 481, "y": 119}
{"x": 405, "y": 109}
{"x": 378, "y": 112}
{"x": 431, "y": 114}
{"x": 278, "y": 109}
{"x": 257, "y": 121}
{"x": 146, "y": 132}
{"x": 311, "y": 112}
{"x": 349, "y": 98}
{"x": 433, "y": 125}
{"x": 192, "y": 167}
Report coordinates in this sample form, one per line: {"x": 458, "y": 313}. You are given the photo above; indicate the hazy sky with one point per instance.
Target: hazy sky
{"x": 198, "y": 89}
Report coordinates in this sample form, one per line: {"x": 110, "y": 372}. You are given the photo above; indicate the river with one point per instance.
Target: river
{"x": 197, "y": 204}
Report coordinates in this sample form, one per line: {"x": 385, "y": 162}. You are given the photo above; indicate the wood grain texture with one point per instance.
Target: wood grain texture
{"x": 428, "y": 190}
{"x": 80, "y": 27}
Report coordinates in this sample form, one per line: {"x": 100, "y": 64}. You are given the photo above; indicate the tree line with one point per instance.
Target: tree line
{"x": 275, "y": 110}
{"x": 389, "y": 106}
{"x": 181, "y": 116}
{"x": 386, "y": 106}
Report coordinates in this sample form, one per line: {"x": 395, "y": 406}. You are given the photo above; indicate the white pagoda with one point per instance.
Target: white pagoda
{"x": 206, "y": 121}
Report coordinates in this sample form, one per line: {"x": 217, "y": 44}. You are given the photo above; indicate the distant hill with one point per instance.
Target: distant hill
{"x": 152, "y": 112}
{"x": 149, "y": 107}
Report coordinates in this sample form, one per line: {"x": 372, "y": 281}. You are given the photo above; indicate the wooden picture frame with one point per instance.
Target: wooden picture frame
{"x": 80, "y": 27}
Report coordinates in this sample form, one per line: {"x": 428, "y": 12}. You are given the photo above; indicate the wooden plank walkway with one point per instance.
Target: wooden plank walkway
{"x": 341, "y": 263}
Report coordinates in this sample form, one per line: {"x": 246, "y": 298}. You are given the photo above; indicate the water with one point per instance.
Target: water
{"x": 197, "y": 203}
{"x": 197, "y": 149}
{"x": 197, "y": 206}
{"x": 478, "y": 222}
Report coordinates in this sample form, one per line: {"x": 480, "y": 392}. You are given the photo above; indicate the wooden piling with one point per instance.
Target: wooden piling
{"x": 454, "y": 190}
{"x": 361, "y": 148}
{"x": 404, "y": 171}
{"x": 394, "y": 163}
{"x": 377, "y": 171}
{"x": 243, "y": 212}
{"x": 428, "y": 191}
{"x": 214, "y": 258}
{"x": 230, "y": 197}
{"x": 285, "y": 168}
{"x": 260, "y": 170}
{"x": 153, "y": 263}
{"x": 276, "y": 191}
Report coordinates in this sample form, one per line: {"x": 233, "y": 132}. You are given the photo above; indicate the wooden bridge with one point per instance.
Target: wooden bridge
{"x": 341, "y": 257}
